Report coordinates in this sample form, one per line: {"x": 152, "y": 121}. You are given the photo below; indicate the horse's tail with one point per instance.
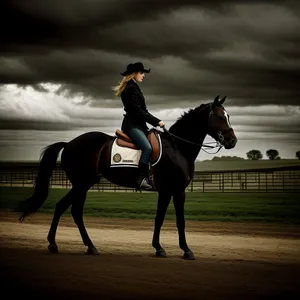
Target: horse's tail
{"x": 47, "y": 165}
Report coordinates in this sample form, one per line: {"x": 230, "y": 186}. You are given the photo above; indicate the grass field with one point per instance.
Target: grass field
{"x": 235, "y": 207}
{"x": 219, "y": 165}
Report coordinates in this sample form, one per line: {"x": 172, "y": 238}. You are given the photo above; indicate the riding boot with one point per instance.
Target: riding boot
{"x": 142, "y": 182}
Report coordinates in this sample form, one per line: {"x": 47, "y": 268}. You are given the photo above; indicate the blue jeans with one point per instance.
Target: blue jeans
{"x": 140, "y": 139}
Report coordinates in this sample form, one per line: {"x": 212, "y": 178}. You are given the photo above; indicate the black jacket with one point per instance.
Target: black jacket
{"x": 136, "y": 110}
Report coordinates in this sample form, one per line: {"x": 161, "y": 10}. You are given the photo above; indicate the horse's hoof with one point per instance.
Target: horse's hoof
{"x": 53, "y": 248}
{"x": 93, "y": 251}
{"x": 161, "y": 253}
{"x": 189, "y": 255}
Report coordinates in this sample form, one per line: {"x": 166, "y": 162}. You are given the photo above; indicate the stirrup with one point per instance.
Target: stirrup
{"x": 145, "y": 185}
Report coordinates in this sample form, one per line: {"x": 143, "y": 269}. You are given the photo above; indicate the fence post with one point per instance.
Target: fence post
{"x": 222, "y": 182}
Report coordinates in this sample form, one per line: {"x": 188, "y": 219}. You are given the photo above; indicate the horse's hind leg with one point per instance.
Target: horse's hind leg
{"x": 77, "y": 213}
{"x": 60, "y": 208}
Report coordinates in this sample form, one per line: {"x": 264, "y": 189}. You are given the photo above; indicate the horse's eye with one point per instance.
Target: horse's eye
{"x": 221, "y": 118}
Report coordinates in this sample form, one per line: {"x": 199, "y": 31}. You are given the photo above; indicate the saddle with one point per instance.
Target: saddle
{"x": 123, "y": 140}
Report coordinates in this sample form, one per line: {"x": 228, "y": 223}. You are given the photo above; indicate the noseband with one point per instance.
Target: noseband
{"x": 220, "y": 134}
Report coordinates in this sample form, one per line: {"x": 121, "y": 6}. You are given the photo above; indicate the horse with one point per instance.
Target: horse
{"x": 89, "y": 157}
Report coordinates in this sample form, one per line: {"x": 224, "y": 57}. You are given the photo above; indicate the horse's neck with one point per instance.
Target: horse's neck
{"x": 189, "y": 150}
{"x": 192, "y": 127}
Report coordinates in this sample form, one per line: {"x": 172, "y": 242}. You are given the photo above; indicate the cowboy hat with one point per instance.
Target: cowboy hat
{"x": 135, "y": 67}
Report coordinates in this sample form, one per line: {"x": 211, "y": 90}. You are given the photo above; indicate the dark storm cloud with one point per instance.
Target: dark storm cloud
{"x": 248, "y": 51}
{"x": 58, "y": 16}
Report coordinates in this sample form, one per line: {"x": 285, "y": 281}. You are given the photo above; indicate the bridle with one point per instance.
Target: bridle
{"x": 219, "y": 142}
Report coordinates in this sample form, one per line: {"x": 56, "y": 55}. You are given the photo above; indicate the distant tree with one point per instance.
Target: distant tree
{"x": 278, "y": 157}
{"x": 254, "y": 155}
{"x": 272, "y": 154}
{"x": 298, "y": 154}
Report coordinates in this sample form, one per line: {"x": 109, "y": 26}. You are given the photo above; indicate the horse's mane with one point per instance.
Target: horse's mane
{"x": 188, "y": 117}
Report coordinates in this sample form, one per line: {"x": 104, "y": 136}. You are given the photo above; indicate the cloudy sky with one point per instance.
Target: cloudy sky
{"x": 59, "y": 61}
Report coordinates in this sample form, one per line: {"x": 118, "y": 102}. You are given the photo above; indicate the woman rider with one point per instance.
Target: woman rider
{"x": 136, "y": 117}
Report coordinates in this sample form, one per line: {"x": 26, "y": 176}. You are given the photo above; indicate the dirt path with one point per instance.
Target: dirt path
{"x": 234, "y": 261}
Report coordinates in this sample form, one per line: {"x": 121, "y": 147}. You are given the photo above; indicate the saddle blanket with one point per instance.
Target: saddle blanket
{"x": 124, "y": 157}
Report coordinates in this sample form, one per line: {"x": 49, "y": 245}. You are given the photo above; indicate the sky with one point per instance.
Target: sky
{"x": 59, "y": 61}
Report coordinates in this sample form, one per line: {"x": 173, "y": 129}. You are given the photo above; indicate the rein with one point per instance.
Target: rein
{"x": 218, "y": 144}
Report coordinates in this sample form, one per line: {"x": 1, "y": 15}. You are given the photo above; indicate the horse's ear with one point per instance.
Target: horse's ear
{"x": 222, "y": 100}
{"x": 215, "y": 102}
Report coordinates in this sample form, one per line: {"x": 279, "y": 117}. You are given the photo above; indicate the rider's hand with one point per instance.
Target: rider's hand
{"x": 161, "y": 124}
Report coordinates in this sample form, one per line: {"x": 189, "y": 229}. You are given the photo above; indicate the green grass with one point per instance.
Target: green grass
{"x": 236, "y": 207}
{"x": 219, "y": 165}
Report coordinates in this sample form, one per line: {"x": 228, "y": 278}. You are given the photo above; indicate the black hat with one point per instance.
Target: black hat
{"x": 136, "y": 67}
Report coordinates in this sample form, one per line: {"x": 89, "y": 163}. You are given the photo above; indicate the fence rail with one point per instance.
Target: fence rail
{"x": 283, "y": 179}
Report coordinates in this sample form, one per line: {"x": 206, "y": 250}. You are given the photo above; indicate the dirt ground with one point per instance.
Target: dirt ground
{"x": 233, "y": 261}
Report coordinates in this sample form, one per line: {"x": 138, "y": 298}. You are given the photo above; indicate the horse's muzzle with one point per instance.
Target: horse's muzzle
{"x": 228, "y": 140}
{"x": 229, "y": 143}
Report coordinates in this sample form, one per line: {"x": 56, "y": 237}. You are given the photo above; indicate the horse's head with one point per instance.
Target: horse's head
{"x": 219, "y": 126}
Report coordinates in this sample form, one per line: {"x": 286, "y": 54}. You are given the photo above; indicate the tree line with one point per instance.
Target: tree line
{"x": 254, "y": 154}
{"x": 272, "y": 154}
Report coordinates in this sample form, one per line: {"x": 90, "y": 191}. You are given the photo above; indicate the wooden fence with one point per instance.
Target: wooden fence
{"x": 282, "y": 179}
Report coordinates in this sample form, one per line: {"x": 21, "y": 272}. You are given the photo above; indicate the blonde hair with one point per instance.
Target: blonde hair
{"x": 122, "y": 85}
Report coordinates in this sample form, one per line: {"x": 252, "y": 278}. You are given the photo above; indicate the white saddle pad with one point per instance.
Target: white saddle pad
{"x": 124, "y": 157}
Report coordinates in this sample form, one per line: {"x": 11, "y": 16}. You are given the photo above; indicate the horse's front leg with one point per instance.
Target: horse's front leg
{"x": 162, "y": 205}
{"x": 179, "y": 201}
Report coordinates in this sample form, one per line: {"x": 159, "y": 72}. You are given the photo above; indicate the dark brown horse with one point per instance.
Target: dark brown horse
{"x": 87, "y": 158}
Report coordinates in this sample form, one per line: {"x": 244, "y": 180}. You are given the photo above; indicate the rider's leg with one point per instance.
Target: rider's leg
{"x": 140, "y": 139}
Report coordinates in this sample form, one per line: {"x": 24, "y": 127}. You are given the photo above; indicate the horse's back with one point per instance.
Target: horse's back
{"x": 88, "y": 139}
{"x": 86, "y": 144}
